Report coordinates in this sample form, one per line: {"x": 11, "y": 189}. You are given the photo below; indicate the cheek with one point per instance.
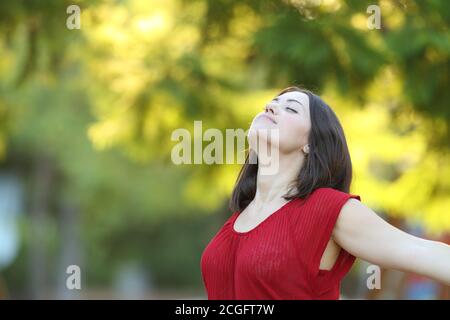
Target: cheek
{"x": 294, "y": 133}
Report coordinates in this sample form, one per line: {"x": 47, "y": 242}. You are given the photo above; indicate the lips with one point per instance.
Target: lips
{"x": 264, "y": 115}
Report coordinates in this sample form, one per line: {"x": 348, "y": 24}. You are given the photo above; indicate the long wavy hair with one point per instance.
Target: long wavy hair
{"x": 327, "y": 164}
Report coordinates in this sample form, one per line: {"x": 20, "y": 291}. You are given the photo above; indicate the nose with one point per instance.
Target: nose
{"x": 271, "y": 107}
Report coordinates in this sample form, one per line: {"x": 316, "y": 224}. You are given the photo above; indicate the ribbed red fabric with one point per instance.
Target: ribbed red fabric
{"x": 279, "y": 259}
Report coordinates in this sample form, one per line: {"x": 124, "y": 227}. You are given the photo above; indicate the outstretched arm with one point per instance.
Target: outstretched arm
{"x": 364, "y": 234}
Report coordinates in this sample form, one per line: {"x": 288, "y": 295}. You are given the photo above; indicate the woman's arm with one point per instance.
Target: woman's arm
{"x": 364, "y": 234}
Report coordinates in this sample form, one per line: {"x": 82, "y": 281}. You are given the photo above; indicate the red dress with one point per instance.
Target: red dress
{"x": 280, "y": 257}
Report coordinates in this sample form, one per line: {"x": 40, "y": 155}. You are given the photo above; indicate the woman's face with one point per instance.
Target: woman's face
{"x": 290, "y": 114}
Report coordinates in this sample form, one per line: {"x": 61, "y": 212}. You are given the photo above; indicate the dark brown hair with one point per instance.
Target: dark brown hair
{"x": 327, "y": 164}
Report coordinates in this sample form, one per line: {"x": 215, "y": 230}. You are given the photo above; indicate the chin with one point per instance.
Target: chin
{"x": 265, "y": 137}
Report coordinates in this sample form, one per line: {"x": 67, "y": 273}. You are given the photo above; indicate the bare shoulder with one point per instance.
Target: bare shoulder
{"x": 354, "y": 214}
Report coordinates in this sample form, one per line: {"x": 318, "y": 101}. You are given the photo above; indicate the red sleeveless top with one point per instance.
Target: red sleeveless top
{"x": 280, "y": 257}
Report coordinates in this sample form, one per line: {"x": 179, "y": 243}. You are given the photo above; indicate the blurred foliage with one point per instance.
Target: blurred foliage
{"x": 100, "y": 104}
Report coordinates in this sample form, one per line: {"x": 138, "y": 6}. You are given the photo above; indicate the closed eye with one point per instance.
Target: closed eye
{"x": 287, "y": 108}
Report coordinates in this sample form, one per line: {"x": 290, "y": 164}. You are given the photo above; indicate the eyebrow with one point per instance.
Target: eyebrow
{"x": 290, "y": 100}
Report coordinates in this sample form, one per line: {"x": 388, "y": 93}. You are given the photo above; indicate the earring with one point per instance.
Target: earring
{"x": 306, "y": 149}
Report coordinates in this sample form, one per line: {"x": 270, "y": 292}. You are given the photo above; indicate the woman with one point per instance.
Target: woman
{"x": 295, "y": 234}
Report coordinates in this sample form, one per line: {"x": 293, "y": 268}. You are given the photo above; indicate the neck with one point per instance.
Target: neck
{"x": 271, "y": 187}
